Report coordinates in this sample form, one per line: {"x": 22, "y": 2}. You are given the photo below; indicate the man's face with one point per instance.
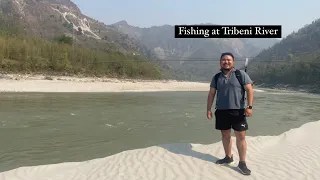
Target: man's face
{"x": 226, "y": 62}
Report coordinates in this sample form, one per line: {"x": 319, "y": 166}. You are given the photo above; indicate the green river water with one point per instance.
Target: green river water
{"x": 47, "y": 128}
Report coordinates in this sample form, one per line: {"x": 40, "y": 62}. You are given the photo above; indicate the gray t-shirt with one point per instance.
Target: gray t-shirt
{"x": 229, "y": 92}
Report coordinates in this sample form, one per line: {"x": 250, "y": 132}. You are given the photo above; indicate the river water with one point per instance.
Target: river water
{"x": 47, "y": 128}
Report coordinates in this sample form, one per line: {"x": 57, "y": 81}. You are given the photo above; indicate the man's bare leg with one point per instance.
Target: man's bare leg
{"x": 227, "y": 144}
{"x": 242, "y": 149}
{"x": 226, "y": 141}
{"x": 241, "y": 144}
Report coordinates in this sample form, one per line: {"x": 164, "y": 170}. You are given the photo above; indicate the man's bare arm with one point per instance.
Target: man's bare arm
{"x": 249, "y": 91}
{"x": 211, "y": 95}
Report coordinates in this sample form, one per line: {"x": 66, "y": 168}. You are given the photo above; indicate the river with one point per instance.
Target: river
{"x": 47, "y": 128}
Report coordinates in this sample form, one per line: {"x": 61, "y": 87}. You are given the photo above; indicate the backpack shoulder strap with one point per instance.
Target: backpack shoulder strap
{"x": 216, "y": 78}
{"x": 239, "y": 77}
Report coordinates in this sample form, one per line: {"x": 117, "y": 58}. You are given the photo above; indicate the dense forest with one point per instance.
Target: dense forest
{"x": 301, "y": 71}
{"x": 25, "y": 54}
{"x": 295, "y": 61}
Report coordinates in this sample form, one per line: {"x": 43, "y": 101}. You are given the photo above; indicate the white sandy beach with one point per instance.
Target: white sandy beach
{"x": 16, "y": 83}
{"x": 40, "y": 83}
{"x": 292, "y": 155}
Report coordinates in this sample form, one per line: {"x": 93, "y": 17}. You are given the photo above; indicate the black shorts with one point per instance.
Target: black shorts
{"x": 227, "y": 119}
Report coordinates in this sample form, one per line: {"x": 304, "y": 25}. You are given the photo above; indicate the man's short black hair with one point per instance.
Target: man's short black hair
{"x": 227, "y": 53}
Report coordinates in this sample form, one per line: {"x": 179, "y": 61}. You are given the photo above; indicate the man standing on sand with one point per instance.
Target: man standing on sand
{"x": 231, "y": 111}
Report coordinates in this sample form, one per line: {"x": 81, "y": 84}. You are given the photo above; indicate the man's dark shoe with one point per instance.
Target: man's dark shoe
{"x": 243, "y": 168}
{"x": 226, "y": 160}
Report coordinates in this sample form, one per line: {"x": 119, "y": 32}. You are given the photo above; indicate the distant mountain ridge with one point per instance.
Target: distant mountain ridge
{"x": 156, "y": 35}
{"x": 182, "y": 54}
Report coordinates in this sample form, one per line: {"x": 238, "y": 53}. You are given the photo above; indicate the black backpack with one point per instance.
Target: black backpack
{"x": 239, "y": 77}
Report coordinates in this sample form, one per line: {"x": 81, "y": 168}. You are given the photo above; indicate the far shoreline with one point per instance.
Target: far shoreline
{"x": 49, "y": 83}
{"x": 78, "y": 83}
{"x": 311, "y": 88}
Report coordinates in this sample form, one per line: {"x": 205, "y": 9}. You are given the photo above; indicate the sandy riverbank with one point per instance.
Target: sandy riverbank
{"x": 292, "y": 155}
{"x": 40, "y": 83}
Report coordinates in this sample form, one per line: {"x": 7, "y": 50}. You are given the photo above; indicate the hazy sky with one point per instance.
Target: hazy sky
{"x": 291, "y": 14}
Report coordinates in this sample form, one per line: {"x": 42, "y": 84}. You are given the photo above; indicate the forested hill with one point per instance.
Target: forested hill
{"x": 22, "y": 54}
{"x": 53, "y": 36}
{"x": 295, "y": 61}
